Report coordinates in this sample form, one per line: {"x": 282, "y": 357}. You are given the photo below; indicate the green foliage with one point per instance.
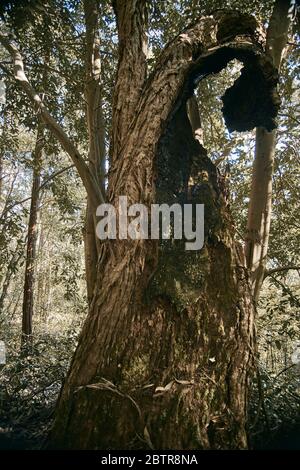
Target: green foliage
{"x": 275, "y": 403}
{"x": 29, "y": 383}
{"x": 275, "y": 408}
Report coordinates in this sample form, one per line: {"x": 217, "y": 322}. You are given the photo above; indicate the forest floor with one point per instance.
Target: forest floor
{"x": 28, "y": 435}
{"x": 30, "y": 385}
{"x": 286, "y": 438}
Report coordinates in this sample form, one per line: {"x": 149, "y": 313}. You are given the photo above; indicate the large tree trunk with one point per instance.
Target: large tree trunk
{"x": 260, "y": 206}
{"x": 161, "y": 316}
{"x": 29, "y": 281}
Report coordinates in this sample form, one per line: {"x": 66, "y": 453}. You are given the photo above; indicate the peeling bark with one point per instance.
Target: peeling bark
{"x": 194, "y": 117}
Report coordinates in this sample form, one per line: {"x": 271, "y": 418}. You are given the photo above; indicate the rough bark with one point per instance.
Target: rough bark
{"x": 260, "y": 206}
{"x": 131, "y": 19}
{"x": 160, "y": 316}
{"x": 90, "y": 251}
{"x": 96, "y": 134}
{"x": 29, "y": 280}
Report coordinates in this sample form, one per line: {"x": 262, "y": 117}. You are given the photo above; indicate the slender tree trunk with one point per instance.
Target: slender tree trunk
{"x": 1, "y": 174}
{"x": 166, "y": 351}
{"x": 14, "y": 261}
{"x": 96, "y": 132}
{"x": 40, "y": 271}
{"x": 2, "y": 150}
{"x": 260, "y": 207}
{"x": 28, "y": 296}
{"x": 29, "y": 281}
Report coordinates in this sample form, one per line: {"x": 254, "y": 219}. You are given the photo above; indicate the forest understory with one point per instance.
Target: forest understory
{"x": 27, "y": 412}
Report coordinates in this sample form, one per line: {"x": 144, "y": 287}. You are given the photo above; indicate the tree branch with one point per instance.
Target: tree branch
{"x": 88, "y": 179}
{"x": 286, "y": 290}
{"x": 281, "y": 269}
{"x": 54, "y": 175}
{"x": 45, "y": 182}
{"x": 282, "y": 371}
{"x": 93, "y": 93}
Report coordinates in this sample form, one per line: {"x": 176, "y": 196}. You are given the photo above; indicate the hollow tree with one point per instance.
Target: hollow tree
{"x": 162, "y": 317}
{"x": 166, "y": 352}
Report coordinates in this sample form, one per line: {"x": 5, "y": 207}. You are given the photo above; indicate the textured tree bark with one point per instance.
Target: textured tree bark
{"x": 90, "y": 251}
{"x": 166, "y": 351}
{"x": 29, "y": 281}
{"x": 260, "y": 206}
{"x": 131, "y": 19}
{"x": 96, "y": 133}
